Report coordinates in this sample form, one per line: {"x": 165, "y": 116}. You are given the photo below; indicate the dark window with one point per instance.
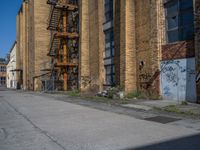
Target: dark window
{"x": 108, "y": 10}
{"x": 2, "y": 69}
{"x": 2, "y": 80}
{"x": 110, "y": 74}
{"x": 179, "y": 20}
{"x": 109, "y": 42}
{"x": 109, "y": 54}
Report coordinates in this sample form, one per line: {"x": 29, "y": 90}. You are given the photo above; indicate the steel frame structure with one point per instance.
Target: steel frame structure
{"x": 63, "y": 24}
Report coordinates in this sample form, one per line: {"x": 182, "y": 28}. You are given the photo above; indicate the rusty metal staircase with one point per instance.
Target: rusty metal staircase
{"x": 63, "y": 50}
{"x": 54, "y": 18}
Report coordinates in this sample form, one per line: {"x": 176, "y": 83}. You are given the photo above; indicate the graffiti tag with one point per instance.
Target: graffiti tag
{"x": 85, "y": 81}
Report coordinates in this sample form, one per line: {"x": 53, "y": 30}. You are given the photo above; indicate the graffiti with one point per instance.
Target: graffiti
{"x": 172, "y": 77}
{"x": 178, "y": 79}
{"x": 167, "y": 91}
{"x": 145, "y": 76}
{"x": 85, "y": 81}
{"x": 168, "y": 68}
{"x": 147, "y": 80}
{"x": 170, "y": 72}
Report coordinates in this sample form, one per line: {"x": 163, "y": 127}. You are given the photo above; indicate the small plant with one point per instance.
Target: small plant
{"x": 74, "y": 93}
{"x": 172, "y": 108}
{"x": 113, "y": 91}
{"x": 184, "y": 103}
{"x": 134, "y": 94}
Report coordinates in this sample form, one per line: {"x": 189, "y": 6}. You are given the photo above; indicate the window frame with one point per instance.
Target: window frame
{"x": 111, "y": 74}
{"x": 180, "y": 28}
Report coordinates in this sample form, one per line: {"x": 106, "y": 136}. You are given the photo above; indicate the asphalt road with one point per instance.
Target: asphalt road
{"x": 33, "y": 122}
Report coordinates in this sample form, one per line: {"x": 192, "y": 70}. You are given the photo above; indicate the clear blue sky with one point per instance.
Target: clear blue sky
{"x": 8, "y": 13}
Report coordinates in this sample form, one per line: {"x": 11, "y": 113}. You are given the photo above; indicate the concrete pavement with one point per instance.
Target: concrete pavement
{"x": 33, "y": 122}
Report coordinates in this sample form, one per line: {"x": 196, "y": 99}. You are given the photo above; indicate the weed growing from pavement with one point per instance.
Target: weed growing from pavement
{"x": 175, "y": 109}
{"x": 143, "y": 95}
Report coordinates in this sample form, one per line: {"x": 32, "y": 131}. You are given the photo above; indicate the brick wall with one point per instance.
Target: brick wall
{"x": 32, "y": 41}
{"x": 84, "y": 69}
{"x": 178, "y": 50}
{"x": 138, "y": 43}
{"x": 31, "y": 53}
{"x": 125, "y": 52}
{"x": 96, "y": 44}
{"x": 41, "y": 38}
{"x": 91, "y": 69}
{"x": 197, "y": 44}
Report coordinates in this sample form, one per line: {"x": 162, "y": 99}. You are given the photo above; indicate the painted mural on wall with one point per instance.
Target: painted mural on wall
{"x": 178, "y": 79}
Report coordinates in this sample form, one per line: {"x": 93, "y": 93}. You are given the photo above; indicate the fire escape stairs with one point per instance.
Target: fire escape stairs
{"x": 54, "y": 19}
{"x": 59, "y": 32}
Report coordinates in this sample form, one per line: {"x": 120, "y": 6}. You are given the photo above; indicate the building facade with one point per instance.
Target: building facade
{"x": 148, "y": 46}
{"x": 2, "y": 72}
{"x": 11, "y": 69}
{"x": 32, "y": 43}
{"x": 138, "y": 45}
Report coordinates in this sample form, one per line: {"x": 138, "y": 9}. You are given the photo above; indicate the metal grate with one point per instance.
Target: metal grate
{"x": 162, "y": 119}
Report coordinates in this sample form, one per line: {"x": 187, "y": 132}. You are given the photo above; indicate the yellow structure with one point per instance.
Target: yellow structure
{"x": 96, "y": 44}
{"x": 32, "y": 43}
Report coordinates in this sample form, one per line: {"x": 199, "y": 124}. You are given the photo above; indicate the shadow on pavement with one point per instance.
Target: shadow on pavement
{"x": 186, "y": 143}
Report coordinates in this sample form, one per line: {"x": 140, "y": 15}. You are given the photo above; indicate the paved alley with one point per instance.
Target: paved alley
{"x": 34, "y": 122}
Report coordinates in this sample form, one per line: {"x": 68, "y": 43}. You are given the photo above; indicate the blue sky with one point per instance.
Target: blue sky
{"x": 8, "y": 13}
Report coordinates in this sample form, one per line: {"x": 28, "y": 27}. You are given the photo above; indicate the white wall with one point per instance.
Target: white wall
{"x": 11, "y": 75}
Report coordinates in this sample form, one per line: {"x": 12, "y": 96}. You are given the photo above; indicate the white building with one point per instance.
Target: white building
{"x": 11, "y": 66}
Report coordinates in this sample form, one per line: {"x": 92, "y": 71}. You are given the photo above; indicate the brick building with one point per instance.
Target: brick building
{"x": 2, "y": 72}
{"x": 32, "y": 43}
{"x": 140, "y": 45}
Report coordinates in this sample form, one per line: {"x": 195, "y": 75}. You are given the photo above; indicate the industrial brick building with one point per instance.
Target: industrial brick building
{"x": 145, "y": 45}
{"x": 32, "y": 43}
{"x": 139, "y": 45}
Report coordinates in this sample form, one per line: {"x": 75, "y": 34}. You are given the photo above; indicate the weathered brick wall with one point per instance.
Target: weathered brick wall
{"x": 125, "y": 52}
{"x": 24, "y": 34}
{"x": 130, "y": 47}
{"x": 41, "y": 38}
{"x": 96, "y": 44}
{"x": 197, "y": 45}
{"x": 91, "y": 69}
{"x": 32, "y": 41}
{"x": 143, "y": 34}
{"x": 21, "y": 42}
{"x": 31, "y": 37}
{"x": 139, "y": 34}
{"x": 84, "y": 69}
{"x": 149, "y": 38}
{"x": 178, "y": 50}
